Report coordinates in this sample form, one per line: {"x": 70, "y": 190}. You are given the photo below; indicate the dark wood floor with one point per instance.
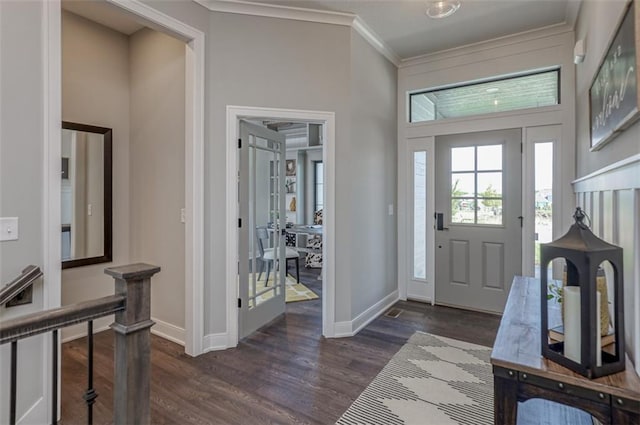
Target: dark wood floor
{"x": 285, "y": 373}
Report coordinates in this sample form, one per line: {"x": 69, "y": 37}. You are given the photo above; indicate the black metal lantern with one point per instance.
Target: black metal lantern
{"x": 581, "y": 349}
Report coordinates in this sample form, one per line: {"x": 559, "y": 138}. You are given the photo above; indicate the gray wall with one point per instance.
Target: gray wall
{"x": 95, "y": 91}
{"x": 21, "y": 181}
{"x": 596, "y": 25}
{"x": 373, "y": 182}
{"x": 283, "y": 64}
{"x": 157, "y": 171}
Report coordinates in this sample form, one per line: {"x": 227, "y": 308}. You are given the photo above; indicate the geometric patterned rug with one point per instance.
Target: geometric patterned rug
{"x": 431, "y": 380}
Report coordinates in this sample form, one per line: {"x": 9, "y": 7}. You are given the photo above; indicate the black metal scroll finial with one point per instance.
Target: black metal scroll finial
{"x": 579, "y": 217}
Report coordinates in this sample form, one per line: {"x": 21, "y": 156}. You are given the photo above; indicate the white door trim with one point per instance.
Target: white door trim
{"x": 52, "y": 143}
{"x": 194, "y": 159}
{"x": 234, "y": 114}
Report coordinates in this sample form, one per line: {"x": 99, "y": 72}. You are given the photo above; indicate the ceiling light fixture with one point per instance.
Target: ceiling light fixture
{"x": 442, "y": 9}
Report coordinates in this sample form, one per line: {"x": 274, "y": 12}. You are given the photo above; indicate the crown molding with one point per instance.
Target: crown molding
{"x": 278, "y": 11}
{"x": 372, "y": 38}
{"x": 242, "y": 7}
{"x": 544, "y": 32}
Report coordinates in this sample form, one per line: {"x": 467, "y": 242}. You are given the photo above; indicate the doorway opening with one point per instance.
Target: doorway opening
{"x": 281, "y": 190}
{"x": 129, "y": 41}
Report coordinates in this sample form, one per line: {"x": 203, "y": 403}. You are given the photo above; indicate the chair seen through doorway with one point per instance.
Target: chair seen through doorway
{"x": 269, "y": 256}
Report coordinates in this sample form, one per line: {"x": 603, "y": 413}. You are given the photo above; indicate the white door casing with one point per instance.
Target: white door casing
{"x": 327, "y": 119}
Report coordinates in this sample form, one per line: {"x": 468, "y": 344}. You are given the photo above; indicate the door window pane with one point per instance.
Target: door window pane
{"x": 463, "y": 159}
{"x": 490, "y": 185}
{"x": 420, "y": 215}
{"x": 319, "y": 185}
{"x": 463, "y": 184}
{"x": 490, "y": 211}
{"x": 476, "y": 196}
{"x": 490, "y": 157}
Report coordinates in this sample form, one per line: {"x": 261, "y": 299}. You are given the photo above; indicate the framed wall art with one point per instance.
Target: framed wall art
{"x": 614, "y": 96}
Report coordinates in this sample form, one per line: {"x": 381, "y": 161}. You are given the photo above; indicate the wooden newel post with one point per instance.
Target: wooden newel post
{"x": 132, "y": 329}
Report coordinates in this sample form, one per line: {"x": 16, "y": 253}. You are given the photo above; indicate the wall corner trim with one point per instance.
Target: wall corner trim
{"x": 372, "y": 38}
{"x": 303, "y": 14}
{"x": 351, "y": 328}
{"x": 216, "y": 342}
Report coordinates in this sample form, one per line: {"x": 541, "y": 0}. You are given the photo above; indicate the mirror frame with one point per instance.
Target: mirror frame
{"x": 108, "y": 196}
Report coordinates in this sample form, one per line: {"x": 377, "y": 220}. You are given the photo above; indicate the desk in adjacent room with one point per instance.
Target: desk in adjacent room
{"x": 521, "y": 373}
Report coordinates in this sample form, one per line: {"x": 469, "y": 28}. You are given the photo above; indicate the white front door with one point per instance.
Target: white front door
{"x": 261, "y": 196}
{"x": 478, "y": 218}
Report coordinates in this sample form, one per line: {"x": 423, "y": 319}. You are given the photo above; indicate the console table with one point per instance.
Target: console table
{"x": 521, "y": 373}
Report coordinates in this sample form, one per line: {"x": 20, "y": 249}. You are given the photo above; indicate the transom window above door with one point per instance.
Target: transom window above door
{"x": 533, "y": 89}
{"x": 476, "y": 185}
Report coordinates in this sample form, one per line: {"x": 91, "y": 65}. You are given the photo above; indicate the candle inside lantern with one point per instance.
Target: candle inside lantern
{"x": 572, "y": 335}
{"x": 599, "y": 331}
{"x": 571, "y": 305}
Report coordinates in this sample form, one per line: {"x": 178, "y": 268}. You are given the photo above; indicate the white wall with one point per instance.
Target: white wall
{"x": 22, "y": 131}
{"x": 372, "y": 182}
{"x": 95, "y": 91}
{"x": 611, "y": 198}
{"x": 157, "y": 172}
{"x": 551, "y": 47}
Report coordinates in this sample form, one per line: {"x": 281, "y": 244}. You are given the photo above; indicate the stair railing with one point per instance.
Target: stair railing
{"x": 131, "y": 304}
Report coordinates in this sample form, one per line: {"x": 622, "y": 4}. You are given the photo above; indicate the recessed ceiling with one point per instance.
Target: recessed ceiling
{"x": 404, "y": 26}
{"x": 103, "y": 13}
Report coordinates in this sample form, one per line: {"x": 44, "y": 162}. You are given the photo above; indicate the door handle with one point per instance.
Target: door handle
{"x": 440, "y": 221}
{"x": 521, "y": 218}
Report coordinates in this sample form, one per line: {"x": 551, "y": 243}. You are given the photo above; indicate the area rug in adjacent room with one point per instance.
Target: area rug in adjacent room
{"x": 295, "y": 291}
{"x": 431, "y": 380}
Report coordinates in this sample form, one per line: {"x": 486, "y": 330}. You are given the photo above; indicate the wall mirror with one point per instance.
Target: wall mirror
{"x": 86, "y": 195}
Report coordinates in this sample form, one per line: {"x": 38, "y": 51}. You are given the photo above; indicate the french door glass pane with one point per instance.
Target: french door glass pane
{"x": 420, "y": 215}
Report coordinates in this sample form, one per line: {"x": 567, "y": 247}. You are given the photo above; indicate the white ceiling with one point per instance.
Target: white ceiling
{"x": 400, "y": 24}
{"x": 405, "y": 28}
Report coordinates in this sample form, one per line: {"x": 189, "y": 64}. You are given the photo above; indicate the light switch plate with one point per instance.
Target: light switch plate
{"x": 8, "y": 229}
{"x": 390, "y": 209}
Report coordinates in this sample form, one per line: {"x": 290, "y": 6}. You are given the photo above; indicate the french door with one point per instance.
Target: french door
{"x": 478, "y": 219}
{"x": 261, "y": 204}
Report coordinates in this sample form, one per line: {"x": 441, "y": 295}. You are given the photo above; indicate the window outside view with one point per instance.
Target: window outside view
{"x": 543, "y": 198}
{"x": 476, "y": 185}
{"x": 420, "y": 215}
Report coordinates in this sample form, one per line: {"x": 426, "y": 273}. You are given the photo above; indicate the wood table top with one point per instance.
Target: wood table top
{"x": 518, "y": 346}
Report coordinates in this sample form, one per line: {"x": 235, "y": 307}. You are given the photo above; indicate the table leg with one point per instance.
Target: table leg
{"x": 505, "y": 401}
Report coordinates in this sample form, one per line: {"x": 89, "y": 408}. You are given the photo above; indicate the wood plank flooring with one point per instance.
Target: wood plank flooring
{"x": 285, "y": 373}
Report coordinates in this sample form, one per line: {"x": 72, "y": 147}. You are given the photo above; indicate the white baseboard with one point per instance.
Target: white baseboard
{"x": 74, "y": 332}
{"x": 419, "y": 298}
{"x": 216, "y": 342}
{"x": 36, "y": 414}
{"x": 351, "y": 328}
{"x": 168, "y": 331}
{"x": 342, "y": 329}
